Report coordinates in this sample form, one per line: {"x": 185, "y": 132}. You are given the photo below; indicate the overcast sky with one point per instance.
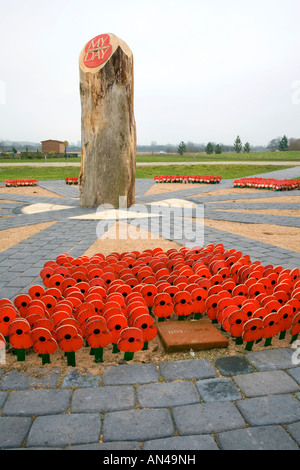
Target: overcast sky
{"x": 205, "y": 70}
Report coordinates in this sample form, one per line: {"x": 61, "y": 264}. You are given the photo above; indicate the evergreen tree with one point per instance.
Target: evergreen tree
{"x": 238, "y": 145}
{"x": 209, "y": 149}
{"x": 283, "y": 144}
{"x": 218, "y": 149}
{"x": 181, "y": 148}
{"x": 247, "y": 147}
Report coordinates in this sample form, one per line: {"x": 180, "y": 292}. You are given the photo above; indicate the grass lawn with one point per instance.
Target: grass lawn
{"x": 60, "y": 173}
{"x": 226, "y": 171}
{"x": 39, "y": 173}
{"x": 237, "y": 157}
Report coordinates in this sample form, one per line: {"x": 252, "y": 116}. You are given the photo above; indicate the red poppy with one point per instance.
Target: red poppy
{"x": 221, "y": 306}
{"x": 36, "y": 292}
{"x": 256, "y": 289}
{"x": 250, "y": 306}
{"x": 240, "y": 289}
{"x": 56, "y": 281}
{"x": 295, "y": 304}
{"x": 236, "y": 322}
{"x": 21, "y": 302}
{"x": 252, "y": 331}
{"x": 107, "y": 277}
{"x": 286, "y": 316}
{"x": 204, "y": 283}
{"x": 216, "y": 279}
{"x": 171, "y": 290}
{"x": 215, "y": 289}
{"x": 97, "y": 282}
{"x": 94, "y": 273}
{"x": 115, "y": 324}
{"x": 43, "y": 343}
{"x": 44, "y": 323}
{"x": 183, "y": 304}
{"x": 58, "y": 316}
{"x": 149, "y": 291}
{"x": 45, "y": 274}
{"x": 69, "y": 341}
{"x": 295, "y": 330}
{"x": 49, "y": 301}
{"x": 7, "y": 314}
{"x": 65, "y": 305}
{"x": 67, "y": 283}
{"x": 130, "y": 341}
{"x": 146, "y": 324}
{"x": 97, "y": 336}
{"x": 281, "y": 296}
{"x": 198, "y": 298}
{"x": 19, "y": 336}
{"x": 227, "y": 311}
{"x": 238, "y": 300}
{"x": 137, "y": 312}
{"x": 96, "y": 303}
{"x": 54, "y": 292}
{"x": 124, "y": 289}
{"x": 4, "y": 302}
{"x": 97, "y": 290}
{"x": 295, "y": 275}
{"x": 272, "y": 306}
{"x": 211, "y": 304}
{"x": 271, "y": 327}
{"x": 134, "y": 296}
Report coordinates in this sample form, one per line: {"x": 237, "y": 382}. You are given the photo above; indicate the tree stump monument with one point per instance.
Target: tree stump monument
{"x": 108, "y": 131}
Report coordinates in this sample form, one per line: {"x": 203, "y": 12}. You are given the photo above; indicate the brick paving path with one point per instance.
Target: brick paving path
{"x": 231, "y": 402}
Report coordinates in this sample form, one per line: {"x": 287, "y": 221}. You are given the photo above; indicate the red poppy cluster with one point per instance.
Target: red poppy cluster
{"x": 23, "y": 182}
{"x": 71, "y": 180}
{"x": 267, "y": 183}
{"x": 187, "y": 179}
{"x": 96, "y": 301}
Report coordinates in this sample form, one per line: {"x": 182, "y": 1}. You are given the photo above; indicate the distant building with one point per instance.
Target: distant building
{"x": 53, "y": 146}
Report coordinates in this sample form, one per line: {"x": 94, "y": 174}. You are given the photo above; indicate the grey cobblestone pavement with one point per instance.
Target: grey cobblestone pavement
{"x": 223, "y": 403}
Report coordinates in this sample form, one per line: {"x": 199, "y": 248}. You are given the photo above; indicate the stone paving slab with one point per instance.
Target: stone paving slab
{"x": 144, "y": 425}
{"x": 257, "y": 438}
{"x": 65, "y": 429}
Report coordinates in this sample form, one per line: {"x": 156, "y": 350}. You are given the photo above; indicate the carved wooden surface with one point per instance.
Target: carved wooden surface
{"x": 108, "y": 132}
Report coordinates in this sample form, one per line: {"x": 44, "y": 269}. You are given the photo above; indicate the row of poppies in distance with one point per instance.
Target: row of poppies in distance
{"x": 71, "y": 180}
{"x": 115, "y": 299}
{"x": 187, "y": 179}
{"x": 21, "y": 182}
{"x": 267, "y": 183}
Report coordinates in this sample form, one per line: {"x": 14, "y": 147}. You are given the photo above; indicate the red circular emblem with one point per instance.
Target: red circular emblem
{"x": 97, "y": 51}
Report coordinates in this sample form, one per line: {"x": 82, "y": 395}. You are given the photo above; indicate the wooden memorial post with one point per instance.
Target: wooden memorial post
{"x": 108, "y": 132}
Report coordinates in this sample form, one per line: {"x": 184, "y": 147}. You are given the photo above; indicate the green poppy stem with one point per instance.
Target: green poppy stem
{"x": 161, "y": 319}
{"x": 294, "y": 337}
{"x": 115, "y": 348}
{"x": 45, "y": 358}
{"x": 268, "y": 342}
{"x": 21, "y": 353}
{"x": 98, "y": 354}
{"x": 239, "y": 340}
{"x": 71, "y": 358}
{"x": 249, "y": 345}
{"x": 282, "y": 334}
{"x": 128, "y": 356}
{"x": 180, "y": 317}
{"x": 145, "y": 347}
{"x": 197, "y": 316}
